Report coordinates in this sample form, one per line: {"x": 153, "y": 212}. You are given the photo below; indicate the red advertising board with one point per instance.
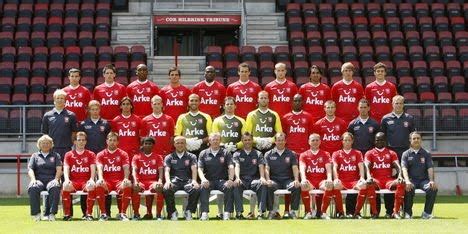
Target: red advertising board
{"x": 197, "y": 20}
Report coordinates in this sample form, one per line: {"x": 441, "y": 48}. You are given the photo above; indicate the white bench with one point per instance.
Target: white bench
{"x": 251, "y": 196}
{"x": 282, "y": 192}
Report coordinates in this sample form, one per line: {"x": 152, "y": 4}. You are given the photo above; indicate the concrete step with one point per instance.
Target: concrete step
{"x": 191, "y": 67}
{"x": 131, "y": 21}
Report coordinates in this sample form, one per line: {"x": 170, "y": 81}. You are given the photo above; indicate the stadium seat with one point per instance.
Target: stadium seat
{"x": 73, "y": 53}
{"x": 6, "y": 39}
{"x": 325, "y": 10}
{"x": 254, "y": 70}
{"x": 121, "y": 53}
{"x": 214, "y": 53}
{"x": 441, "y": 24}
{"x": 311, "y": 23}
{"x": 328, "y": 24}
{"x": 39, "y": 24}
{"x": 19, "y": 99}
{"x": 457, "y": 84}
{"x": 55, "y": 69}
{"x": 57, "y": 9}
{"x": 8, "y": 54}
{"x": 88, "y": 82}
{"x": 121, "y": 68}
{"x": 71, "y": 24}
{"x": 436, "y": 68}
{"x": 344, "y": 23}
{"x": 103, "y": 24}
{"x": 15, "y": 121}
{"x": 7, "y": 69}
{"x": 332, "y": 53}
{"x": 39, "y": 69}
{"x": 54, "y": 39}
{"x": 54, "y": 83}
{"x": 416, "y": 113}
{"x": 4, "y": 118}
{"x": 265, "y": 80}
{"x": 440, "y": 84}
{"x": 87, "y": 24}
{"x": 461, "y": 38}
{"x": 419, "y": 68}
{"x": 437, "y": 9}
{"x": 267, "y": 68}
{"x": 101, "y": 38}
{"x": 23, "y": 24}
{"x": 88, "y": 68}
{"x": 105, "y": 54}
{"x": 396, "y": 38}
{"x": 403, "y": 68}
{"x": 298, "y": 53}
{"x": 410, "y": 97}
{"x": 72, "y": 10}
{"x": 360, "y": 24}
{"x": 41, "y": 9}
{"x": 36, "y": 99}
{"x": 390, "y": 10}
{"x": 425, "y": 24}
{"x": 21, "y": 39}
{"x": 367, "y": 68}
{"x": 231, "y": 68}
{"x": 444, "y": 97}
{"x": 23, "y": 69}
{"x": 55, "y": 24}
{"x": 405, "y": 9}
{"x": 366, "y": 53}
{"x": 314, "y": 38}
{"x": 406, "y": 84}
{"x": 137, "y": 52}
{"x": 358, "y": 9}
{"x": 346, "y": 38}
{"x": 330, "y": 38}
{"x": 10, "y": 10}
{"x": 87, "y": 10}
{"x": 293, "y": 10}
{"x": 296, "y": 38}
{"x": 247, "y": 53}
{"x": 416, "y": 53}
{"x": 231, "y": 53}
{"x": 282, "y": 53}
{"x": 382, "y": 53}
{"x": 294, "y": 24}
{"x": 377, "y": 24}
{"x": 428, "y": 116}
{"x": 341, "y": 9}
{"x": 453, "y": 68}
{"x": 427, "y": 97}
{"x": 56, "y": 54}
{"x": 301, "y": 69}
{"x": 449, "y": 53}
{"x": 334, "y": 69}
{"x": 34, "y": 120}
{"x": 349, "y": 53}
{"x": 85, "y": 38}
{"x": 457, "y": 24}
{"x": 37, "y": 84}
{"x": 363, "y": 38}
{"x": 309, "y": 9}
{"x": 393, "y": 24}
{"x": 423, "y": 84}
{"x": 6, "y": 85}
{"x": 463, "y": 53}
{"x": 463, "y": 119}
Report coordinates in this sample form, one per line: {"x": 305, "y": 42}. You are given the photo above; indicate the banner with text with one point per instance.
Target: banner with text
{"x": 197, "y": 19}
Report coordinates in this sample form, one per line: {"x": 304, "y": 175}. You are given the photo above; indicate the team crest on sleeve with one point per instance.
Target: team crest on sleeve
{"x": 287, "y": 160}
{"x": 406, "y": 124}
{"x": 187, "y": 162}
{"x": 254, "y": 161}
{"x": 66, "y": 119}
{"x": 221, "y": 159}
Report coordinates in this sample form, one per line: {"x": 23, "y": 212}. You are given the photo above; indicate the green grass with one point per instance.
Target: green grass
{"x": 451, "y": 213}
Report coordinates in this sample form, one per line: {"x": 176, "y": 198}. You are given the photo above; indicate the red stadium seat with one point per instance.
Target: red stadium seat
{"x": 449, "y": 53}
{"x": 41, "y": 9}
{"x": 309, "y": 9}
{"x": 247, "y": 53}
{"x": 267, "y": 68}
{"x": 311, "y": 23}
{"x": 105, "y": 54}
{"x": 6, "y": 85}
{"x": 334, "y": 68}
{"x": 55, "y": 68}
{"x": 282, "y": 53}
{"x": 231, "y": 53}
{"x": 103, "y": 24}
{"x": 360, "y": 24}
{"x": 265, "y": 53}
{"x": 121, "y": 53}
{"x": 444, "y": 97}
{"x": 231, "y": 68}
{"x": 214, "y": 53}
{"x": 453, "y": 68}
{"x": 440, "y": 84}
{"x": 55, "y": 24}
{"x": 57, "y": 9}
{"x": 349, "y": 53}
{"x": 427, "y": 97}
{"x": 405, "y": 9}
{"x": 301, "y": 69}
{"x": 293, "y": 9}
{"x": 332, "y": 53}
{"x": 441, "y": 24}
{"x": 36, "y": 98}
{"x": 423, "y": 84}
{"x": 344, "y": 23}
{"x": 298, "y": 53}
{"x": 101, "y": 38}
{"x": 39, "y": 69}
{"x": 34, "y": 120}
{"x": 8, "y": 54}
{"x": 19, "y": 99}
{"x": 314, "y": 38}
{"x": 325, "y": 10}
{"x": 406, "y": 84}
{"x": 296, "y": 38}
{"x": 425, "y": 24}
{"x": 5, "y": 99}
{"x": 341, "y": 9}
{"x": 437, "y": 9}
{"x": 85, "y": 38}
{"x": 419, "y": 68}
{"x": 330, "y": 38}
{"x": 103, "y": 9}
{"x": 54, "y": 38}
{"x": 412, "y": 38}
{"x": 6, "y": 39}
{"x": 457, "y": 83}
{"x": 416, "y": 53}
{"x": 393, "y": 24}
{"x": 37, "y": 84}
{"x": 327, "y": 24}
{"x": 53, "y": 83}
{"x": 429, "y": 38}
{"x": 294, "y": 24}
{"x": 363, "y": 38}
{"x": 461, "y": 97}
{"x": 137, "y": 52}
{"x": 23, "y": 24}
{"x": 448, "y": 119}
{"x": 377, "y": 24}
{"x": 421, "y": 9}
{"x": 410, "y": 97}
{"x": 366, "y": 53}
{"x": 87, "y": 24}
{"x": 253, "y": 67}
{"x": 382, "y": 53}
{"x": 73, "y": 53}
{"x": 367, "y": 68}
{"x": 358, "y": 9}
{"x": 72, "y": 10}
{"x": 87, "y": 10}
{"x": 70, "y": 24}
{"x": 88, "y": 82}
{"x": 346, "y": 38}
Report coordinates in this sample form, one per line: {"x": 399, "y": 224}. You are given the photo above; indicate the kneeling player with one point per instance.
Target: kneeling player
{"x": 379, "y": 163}
{"x": 349, "y": 172}
{"x": 316, "y": 173}
{"x": 148, "y": 171}
{"x": 79, "y": 170}
{"x": 113, "y": 173}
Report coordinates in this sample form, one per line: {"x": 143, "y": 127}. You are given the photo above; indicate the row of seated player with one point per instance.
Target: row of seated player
{"x": 371, "y": 9}
{"x": 372, "y": 6}
{"x": 41, "y": 85}
{"x": 51, "y": 39}
{"x": 57, "y": 9}
{"x": 299, "y": 68}
{"x": 74, "y": 53}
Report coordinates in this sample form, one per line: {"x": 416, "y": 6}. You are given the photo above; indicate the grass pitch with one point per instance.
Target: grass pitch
{"x": 451, "y": 217}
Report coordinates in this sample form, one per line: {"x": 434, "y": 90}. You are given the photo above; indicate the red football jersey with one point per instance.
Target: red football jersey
{"x": 381, "y": 163}
{"x": 245, "y": 96}
{"x": 380, "y": 99}
{"x": 109, "y": 97}
{"x": 141, "y": 93}
{"x": 347, "y": 99}
{"x": 175, "y": 100}
{"x": 77, "y": 101}
{"x": 161, "y": 129}
{"x": 330, "y": 133}
{"x": 314, "y": 97}
{"x": 79, "y": 164}
{"x": 211, "y": 97}
{"x": 281, "y": 96}
{"x": 297, "y": 127}
{"x": 147, "y": 166}
{"x": 112, "y": 164}
{"x": 315, "y": 165}
{"x": 347, "y": 163}
{"x": 128, "y": 129}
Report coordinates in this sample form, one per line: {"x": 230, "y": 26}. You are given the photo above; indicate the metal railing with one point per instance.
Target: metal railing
{"x": 24, "y": 121}
{"x": 243, "y": 26}
{"x": 197, "y": 5}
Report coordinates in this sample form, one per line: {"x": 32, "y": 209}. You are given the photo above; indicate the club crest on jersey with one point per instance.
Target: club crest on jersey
{"x": 287, "y": 160}
{"x": 371, "y": 129}
{"x": 133, "y": 123}
{"x": 270, "y": 119}
{"x": 66, "y": 119}
{"x": 387, "y": 91}
{"x": 181, "y": 93}
{"x": 216, "y": 92}
{"x": 148, "y": 89}
{"x": 320, "y": 160}
{"x": 406, "y": 124}
{"x": 236, "y": 124}
{"x": 164, "y": 124}
{"x": 102, "y": 128}
{"x": 387, "y": 156}
{"x": 221, "y": 159}
{"x": 353, "y": 158}
{"x": 254, "y": 161}
{"x": 200, "y": 121}
{"x": 423, "y": 160}
{"x": 186, "y": 163}
{"x": 116, "y": 92}
{"x": 153, "y": 162}
{"x": 354, "y": 90}
{"x": 52, "y": 159}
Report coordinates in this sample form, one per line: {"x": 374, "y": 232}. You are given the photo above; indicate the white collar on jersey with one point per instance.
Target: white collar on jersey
{"x": 109, "y": 85}
{"x": 347, "y": 82}
{"x": 157, "y": 116}
{"x": 380, "y": 83}
{"x": 209, "y": 84}
{"x": 297, "y": 113}
{"x": 243, "y": 83}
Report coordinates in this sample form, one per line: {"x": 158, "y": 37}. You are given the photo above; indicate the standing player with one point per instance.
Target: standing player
{"x": 147, "y": 175}
{"x": 211, "y": 93}
{"x": 79, "y": 171}
{"x": 113, "y": 175}
{"x": 175, "y": 95}
{"x": 263, "y": 124}
{"x": 397, "y": 126}
{"x": 346, "y": 93}
{"x": 95, "y": 127}
{"x": 330, "y": 128}
{"x": 229, "y": 126}
{"x": 216, "y": 172}
{"x": 379, "y": 162}
{"x": 60, "y": 124}
{"x": 363, "y": 128}
{"x": 127, "y": 126}
{"x": 281, "y": 91}
{"x": 159, "y": 126}
{"x": 250, "y": 174}
{"x": 315, "y": 168}
{"x": 180, "y": 173}
{"x": 380, "y": 93}
{"x": 195, "y": 126}
{"x": 109, "y": 94}
{"x": 349, "y": 173}
{"x": 315, "y": 94}
{"x": 244, "y": 92}
{"x": 141, "y": 91}
{"x": 418, "y": 171}
{"x": 78, "y": 96}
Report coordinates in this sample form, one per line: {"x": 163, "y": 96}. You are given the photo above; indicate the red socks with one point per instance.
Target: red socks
{"x": 126, "y": 197}
{"x": 399, "y": 196}
{"x": 90, "y": 202}
{"x": 101, "y": 198}
{"x": 136, "y": 202}
{"x": 338, "y": 201}
{"x": 306, "y": 201}
{"x": 360, "y": 200}
{"x": 326, "y": 200}
{"x": 67, "y": 202}
{"x": 372, "y": 199}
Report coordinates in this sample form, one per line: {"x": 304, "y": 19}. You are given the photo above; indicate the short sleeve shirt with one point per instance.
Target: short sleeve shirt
{"x": 44, "y": 167}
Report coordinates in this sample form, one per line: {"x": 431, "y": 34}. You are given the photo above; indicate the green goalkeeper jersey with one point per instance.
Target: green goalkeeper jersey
{"x": 261, "y": 124}
{"x": 231, "y": 129}
{"x": 193, "y": 126}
